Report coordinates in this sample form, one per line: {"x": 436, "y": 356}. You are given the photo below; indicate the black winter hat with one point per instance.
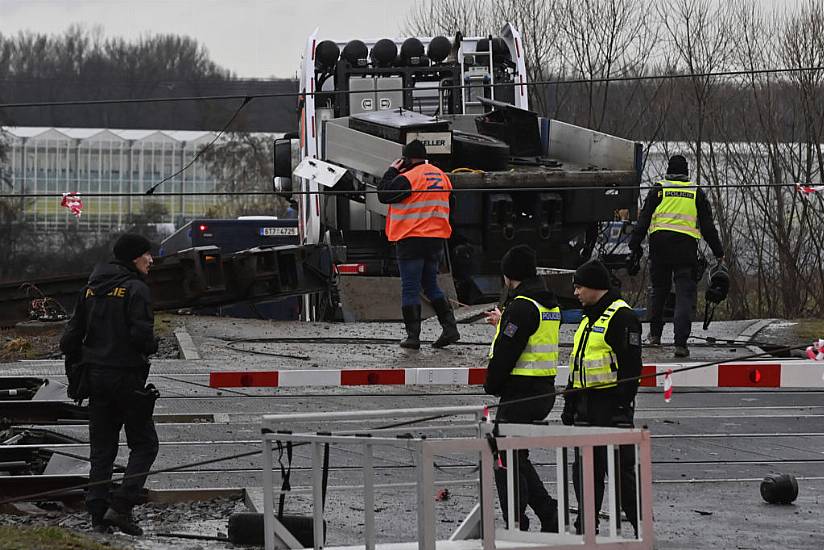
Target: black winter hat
{"x": 519, "y": 263}
{"x": 130, "y": 246}
{"x": 593, "y": 275}
{"x": 415, "y": 149}
{"x": 678, "y": 165}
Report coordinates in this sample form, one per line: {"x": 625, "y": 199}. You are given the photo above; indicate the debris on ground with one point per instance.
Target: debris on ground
{"x": 13, "y": 347}
{"x": 206, "y": 518}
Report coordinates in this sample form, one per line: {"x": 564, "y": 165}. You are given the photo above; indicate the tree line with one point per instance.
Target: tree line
{"x": 83, "y": 64}
{"x": 753, "y": 129}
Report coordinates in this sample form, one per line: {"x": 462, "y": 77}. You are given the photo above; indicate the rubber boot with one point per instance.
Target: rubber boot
{"x": 412, "y": 321}
{"x": 97, "y": 509}
{"x": 446, "y": 317}
{"x": 653, "y": 340}
{"x": 123, "y": 520}
{"x": 548, "y": 514}
{"x": 682, "y": 351}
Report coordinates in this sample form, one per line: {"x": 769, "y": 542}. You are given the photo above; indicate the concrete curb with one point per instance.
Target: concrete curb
{"x": 748, "y": 333}
{"x": 188, "y": 349}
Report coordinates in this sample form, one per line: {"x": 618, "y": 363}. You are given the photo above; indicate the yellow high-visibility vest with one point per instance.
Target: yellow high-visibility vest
{"x": 678, "y": 211}
{"x": 593, "y": 363}
{"x": 540, "y": 356}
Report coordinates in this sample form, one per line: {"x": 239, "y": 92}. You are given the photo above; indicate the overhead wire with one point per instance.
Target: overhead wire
{"x": 303, "y": 94}
{"x": 333, "y": 192}
{"x": 151, "y": 189}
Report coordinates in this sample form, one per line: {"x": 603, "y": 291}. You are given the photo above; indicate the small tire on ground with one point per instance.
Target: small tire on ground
{"x": 479, "y": 152}
{"x": 247, "y": 528}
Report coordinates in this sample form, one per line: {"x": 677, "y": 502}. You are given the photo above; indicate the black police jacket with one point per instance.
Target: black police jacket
{"x": 113, "y": 324}
{"x": 610, "y": 406}
{"x": 519, "y": 321}
{"x": 672, "y": 247}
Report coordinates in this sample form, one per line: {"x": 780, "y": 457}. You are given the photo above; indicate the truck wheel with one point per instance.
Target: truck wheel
{"x": 478, "y": 152}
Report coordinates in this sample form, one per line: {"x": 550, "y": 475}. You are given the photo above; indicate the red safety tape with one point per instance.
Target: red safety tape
{"x": 73, "y": 202}
{"x": 668, "y": 386}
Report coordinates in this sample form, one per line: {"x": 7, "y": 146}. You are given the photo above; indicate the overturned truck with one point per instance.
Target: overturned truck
{"x": 518, "y": 178}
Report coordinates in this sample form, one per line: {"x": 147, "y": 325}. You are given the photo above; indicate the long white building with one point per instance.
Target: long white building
{"x": 94, "y": 160}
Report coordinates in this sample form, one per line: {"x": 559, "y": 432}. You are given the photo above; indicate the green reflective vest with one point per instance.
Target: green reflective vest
{"x": 593, "y": 363}
{"x": 678, "y": 211}
{"x": 540, "y": 356}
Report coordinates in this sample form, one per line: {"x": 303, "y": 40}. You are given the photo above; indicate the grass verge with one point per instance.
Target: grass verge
{"x": 47, "y": 538}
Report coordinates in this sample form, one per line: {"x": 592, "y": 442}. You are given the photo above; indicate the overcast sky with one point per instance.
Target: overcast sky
{"x": 253, "y": 38}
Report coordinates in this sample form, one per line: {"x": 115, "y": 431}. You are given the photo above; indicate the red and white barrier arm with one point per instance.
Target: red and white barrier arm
{"x": 744, "y": 374}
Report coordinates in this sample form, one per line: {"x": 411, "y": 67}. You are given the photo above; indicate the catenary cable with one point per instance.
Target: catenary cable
{"x": 151, "y": 189}
{"x": 299, "y": 94}
{"x": 333, "y": 192}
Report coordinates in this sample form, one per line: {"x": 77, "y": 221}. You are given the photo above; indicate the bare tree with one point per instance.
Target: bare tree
{"x": 243, "y": 162}
{"x": 601, "y": 40}
{"x": 700, "y": 35}
{"x": 433, "y": 17}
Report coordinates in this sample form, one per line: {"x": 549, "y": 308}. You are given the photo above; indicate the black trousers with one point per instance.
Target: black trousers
{"x": 531, "y": 490}
{"x": 626, "y": 473}
{"x": 662, "y": 275}
{"x": 113, "y": 405}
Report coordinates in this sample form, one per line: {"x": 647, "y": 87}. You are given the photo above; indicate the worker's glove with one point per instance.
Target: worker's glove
{"x": 634, "y": 262}
{"x": 144, "y": 399}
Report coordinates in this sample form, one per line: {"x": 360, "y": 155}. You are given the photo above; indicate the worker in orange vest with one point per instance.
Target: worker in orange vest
{"x": 418, "y": 196}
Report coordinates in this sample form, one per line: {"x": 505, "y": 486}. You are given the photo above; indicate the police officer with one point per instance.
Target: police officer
{"x": 112, "y": 333}
{"x": 677, "y": 214}
{"x": 522, "y": 363}
{"x": 418, "y": 195}
{"x": 607, "y": 348}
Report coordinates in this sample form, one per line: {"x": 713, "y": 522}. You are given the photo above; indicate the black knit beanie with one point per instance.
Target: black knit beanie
{"x": 415, "y": 149}
{"x": 130, "y": 246}
{"x": 678, "y": 165}
{"x": 519, "y": 263}
{"x": 593, "y": 275}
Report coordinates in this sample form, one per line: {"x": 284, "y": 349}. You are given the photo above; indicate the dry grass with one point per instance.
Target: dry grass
{"x": 46, "y": 538}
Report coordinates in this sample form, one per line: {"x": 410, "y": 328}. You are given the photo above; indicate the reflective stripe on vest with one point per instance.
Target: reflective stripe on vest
{"x": 540, "y": 355}
{"x": 593, "y": 362}
{"x": 422, "y": 214}
{"x": 677, "y": 211}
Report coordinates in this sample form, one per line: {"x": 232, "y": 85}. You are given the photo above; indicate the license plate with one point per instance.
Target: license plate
{"x": 278, "y": 231}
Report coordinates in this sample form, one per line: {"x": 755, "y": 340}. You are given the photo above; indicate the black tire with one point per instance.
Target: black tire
{"x": 247, "y": 528}
{"x": 479, "y": 152}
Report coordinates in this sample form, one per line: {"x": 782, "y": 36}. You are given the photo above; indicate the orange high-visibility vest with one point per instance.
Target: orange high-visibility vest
{"x": 422, "y": 214}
